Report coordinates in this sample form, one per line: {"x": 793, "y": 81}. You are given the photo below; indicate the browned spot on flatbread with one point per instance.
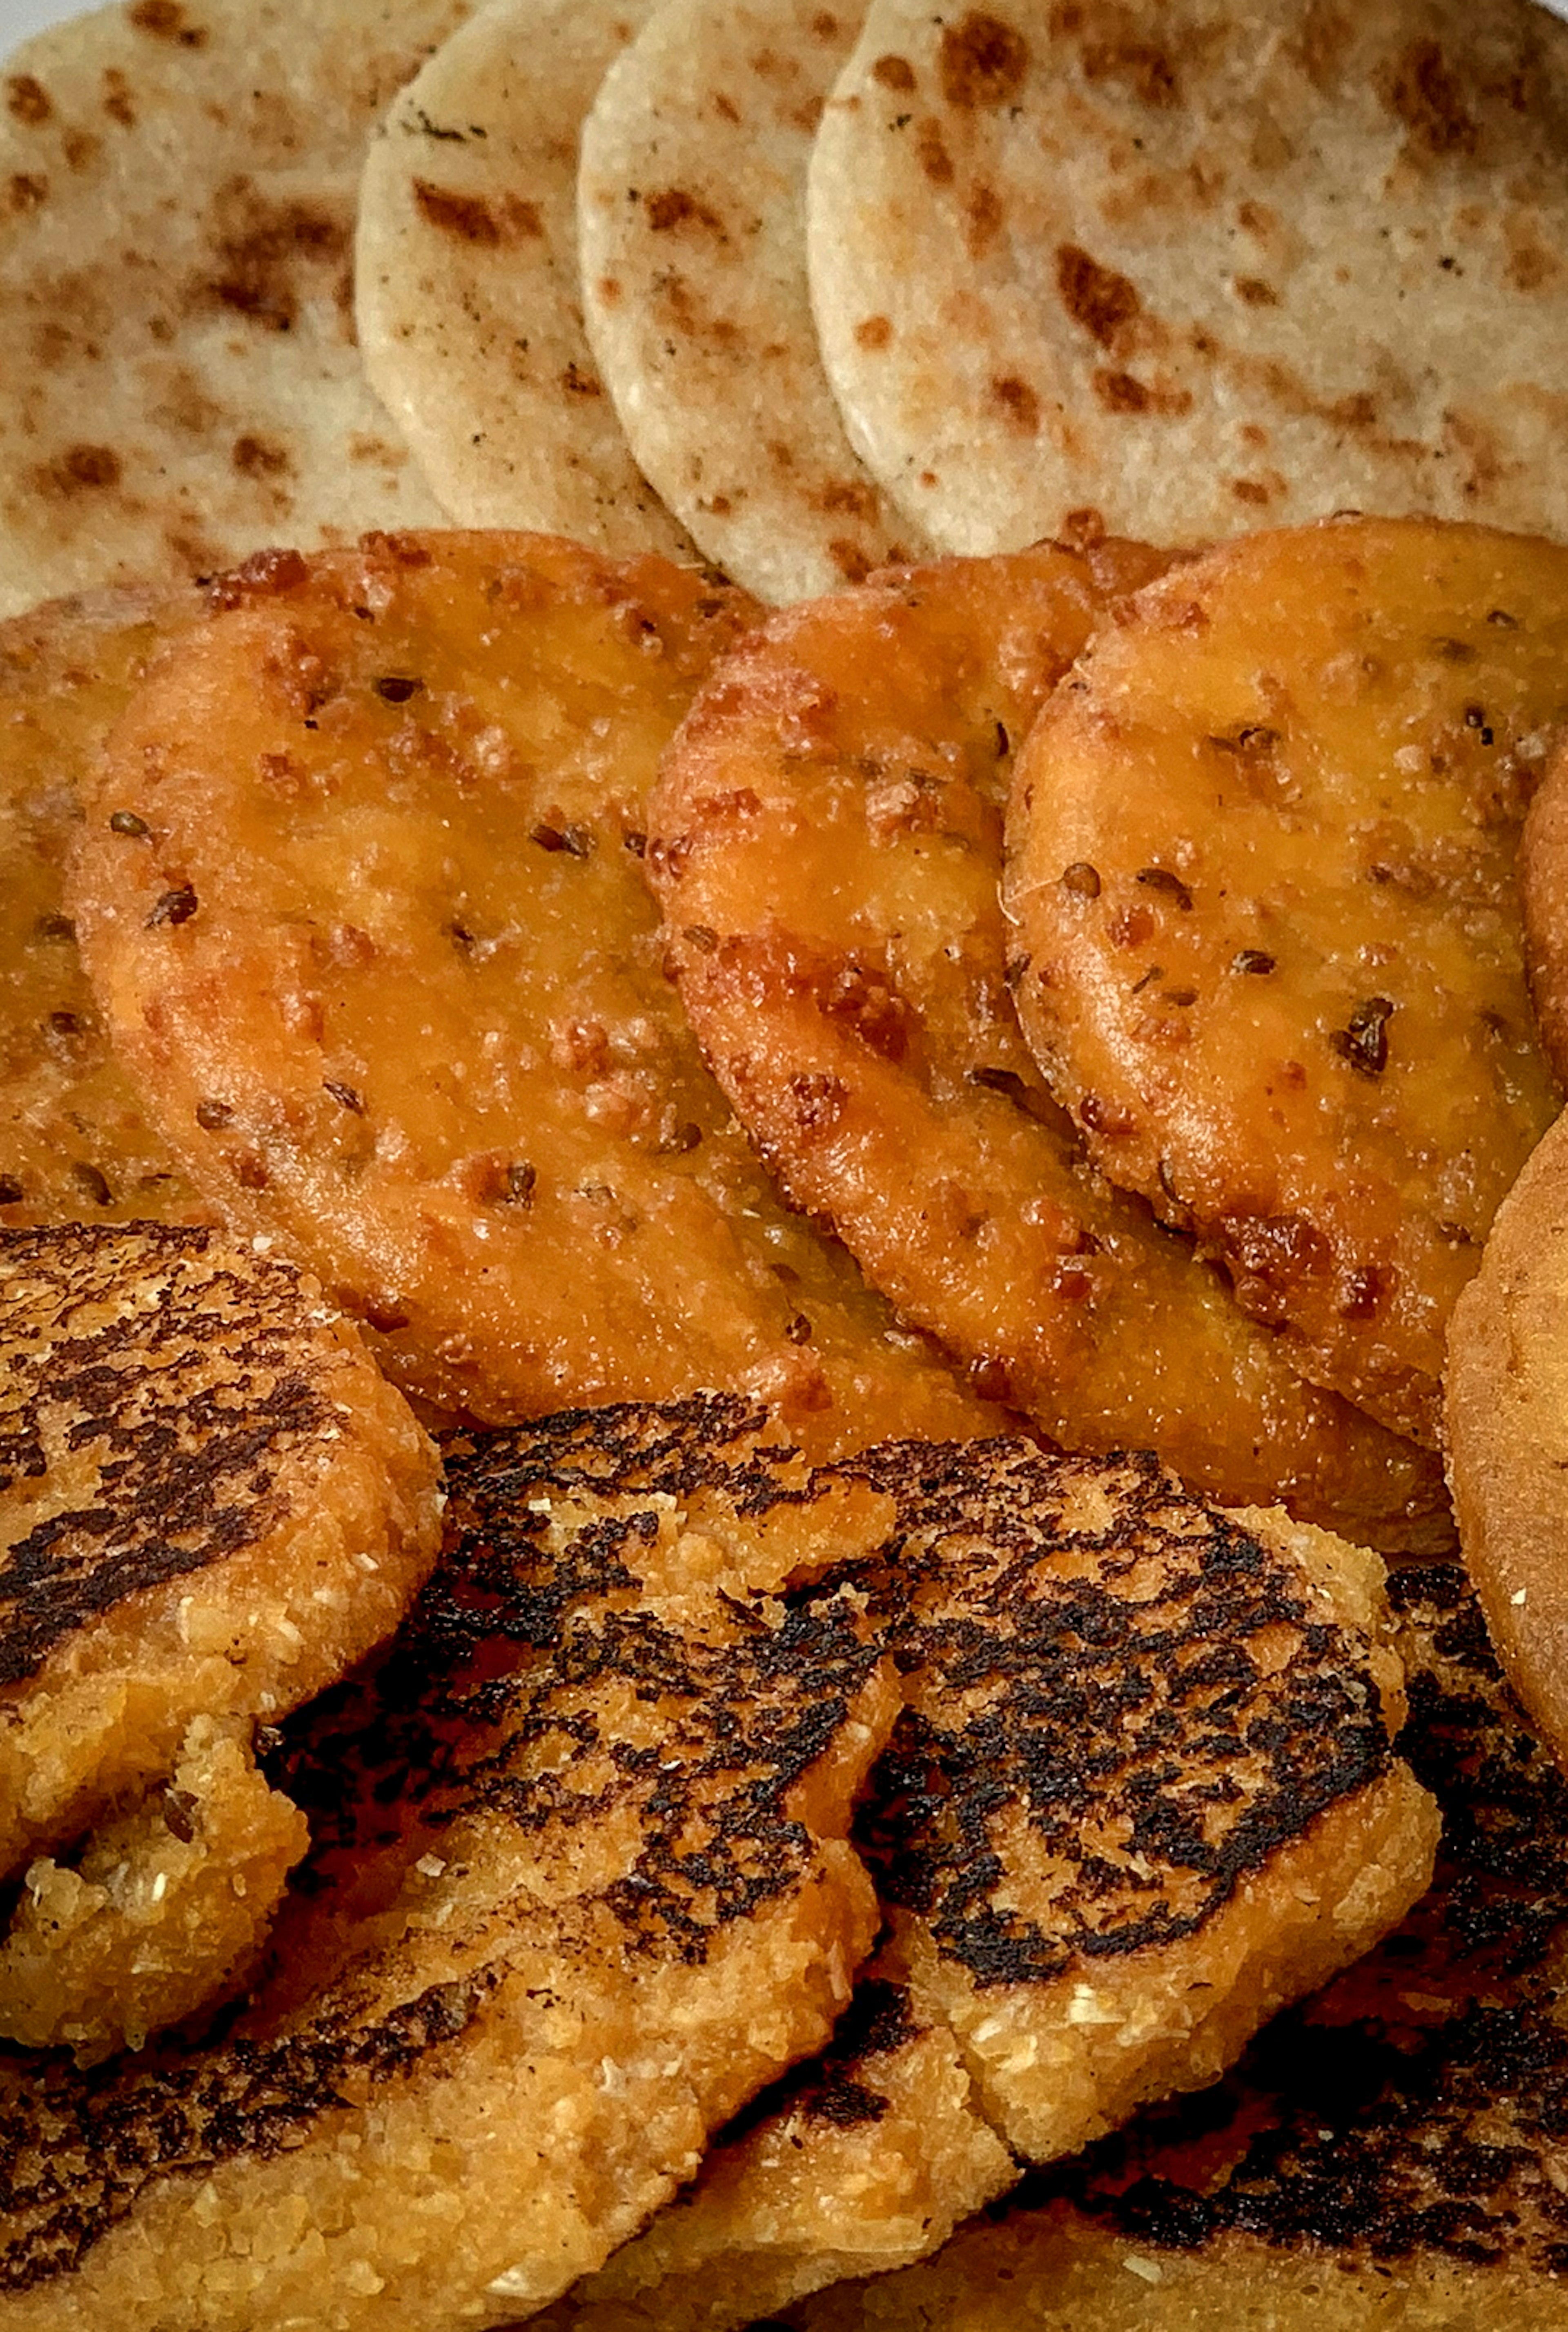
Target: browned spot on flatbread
{"x": 673, "y": 207}
{"x": 872, "y": 332}
{"x": 893, "y": 73}
{"x": 81, "y": 469}
{"x": 824, "y": 26}
{"x": 849, "y": 558}
{"x": 117, "y": 101}
{"x": 1018, "y": 403}
{"x": 471, "y": 220}
{"x": 1423, "y": 94}
{"x": 260, "y": 250}
{"x": 1321, "y": 41}
{"x": 933, "y": 155}
{"x": 578, "y": 382}
{"x": 27, "y": 99}
{"x": 982, "y": 218}
{"x": 166, "y": 20}
{"x": 848, "y": 498}
{"x": 1112, "y": 48}
{"x": 258, "y": 457}
{"x": 1096, "y": 297}
{"x": 981, "y": 62}
{"x": 27, "y": 193}
{"x": 1254, "y": 292}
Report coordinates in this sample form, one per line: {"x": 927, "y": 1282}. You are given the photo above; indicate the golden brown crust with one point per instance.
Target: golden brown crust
{"x": 1268, "y": 942}
{"x": 1507, "y": 1401}
{"x": 617, "y": 1899}
{"x": 211, "y": 1504}
{"x": 1544, "y": 888}
{"x": 74, "y": 1145}
{"x": 827, "y": 842}
{"x": 417, "y": 1026}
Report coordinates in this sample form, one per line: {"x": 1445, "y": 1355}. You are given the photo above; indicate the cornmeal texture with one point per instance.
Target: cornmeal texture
{"x": 1269, "y": 946}
{"x": 361, "y": 895}
{"x": 1142, "y": 1793}
{"x": 609, "y": 1896}
{"x": 1389, "y": 2155}
{"x": 827, "y": 843}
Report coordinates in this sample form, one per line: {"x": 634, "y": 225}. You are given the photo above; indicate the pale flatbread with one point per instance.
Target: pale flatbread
{"x": 1199, "y": 265}
{"x": 181, "y": 383}
{"x": 469, "y": 309}
{"x": 692, "y": 211}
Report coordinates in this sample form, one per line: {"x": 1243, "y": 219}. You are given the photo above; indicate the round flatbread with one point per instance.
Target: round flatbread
{"x": 692, "y": 200}
{"x": 1507, "y": 1417}
{"x": 74, "y": 1144}
{"x": 827, "y": 839}
{"x": 1268, "y": 943}
{"x": 361, "y": 893}
{"x": 1198, "y": 266}
{"x": 183, "y": 384}
{"x": 469, "y": 310}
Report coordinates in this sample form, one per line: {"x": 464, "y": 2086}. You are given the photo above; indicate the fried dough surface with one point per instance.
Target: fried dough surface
{"x": 1543, "y": 885}
{"x": 361, "y": 898}
{"x": 1505, "y": 1400}
{"x": 73, "y": 1142}
{"x": 856, "y": 2163}
{"x": 165, "y": 1909}
{"x": 609, "y": 1896}
{"x": 827, "y": 843}
{"x": 212, "y": 1505}
{"x": 1392, "y": 2155}
{"x": 1268, "y": 945}
{"x": 1142, "y": 1794}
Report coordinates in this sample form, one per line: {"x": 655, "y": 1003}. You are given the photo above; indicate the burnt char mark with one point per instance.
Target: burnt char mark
{"x": 78, "y": 2149}
{"x": 177, "y": 1374}
{"x": 502, "y": 1700}
{"x": 1420, "y": 2105}
{"x": 1146, "y": 1689}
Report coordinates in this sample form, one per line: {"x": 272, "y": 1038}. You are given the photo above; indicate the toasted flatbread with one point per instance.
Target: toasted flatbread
{"x": 691, "y": 198}
{"x": 469, "y": 309}
{"x": 183, "y": 384}
{"x": 1192, "y": 267}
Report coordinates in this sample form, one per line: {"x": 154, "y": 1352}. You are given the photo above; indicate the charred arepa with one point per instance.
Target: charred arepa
{"x": 360, "y": 895}
{"x": 212, "y": 1505}
{"x": 828, "y": 843}
{"x": 1269, "y": 946}
{"x": 580, "y": 1886}
{"x": 1393, "y": 2152}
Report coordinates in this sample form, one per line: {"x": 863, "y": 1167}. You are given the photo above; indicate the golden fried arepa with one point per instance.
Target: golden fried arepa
{"x": 1507, "y": 1417}
{"x": 1142, "y": 1793}
{"x": 828, "y": 840}
{"x": 605, "y": 1898}
{"x": 73, "y": 1142}
{"x": 1392, "y": 2157}
{"x": 1269, "y": 946}
{"x": 856, "y": 2161}
{"x": 211, "y": 1504}
{"x": 361, "y": 894}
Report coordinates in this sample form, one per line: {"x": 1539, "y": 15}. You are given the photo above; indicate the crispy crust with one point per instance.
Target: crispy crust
{"x": 1506, "y": 1398}
{"x": 1390, "y": 2156}
{"x": 1268, "y": 945}
{"x": 212, "y": 1505}
{"x": 607, "y": 1897}
{"x": 827, "y": 844}
{"x": 418, "y": 1028}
